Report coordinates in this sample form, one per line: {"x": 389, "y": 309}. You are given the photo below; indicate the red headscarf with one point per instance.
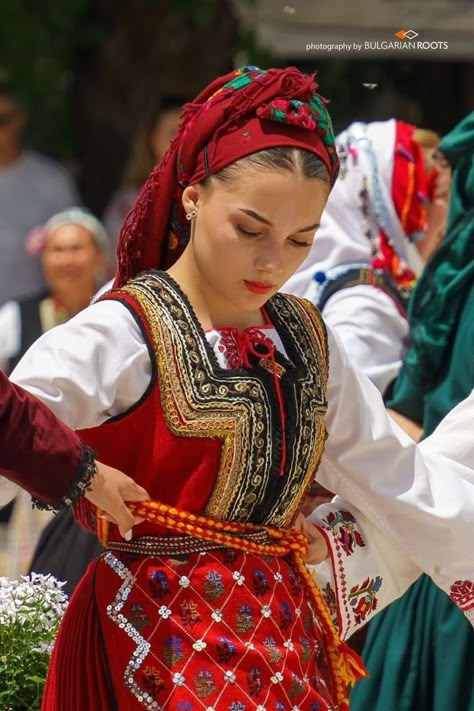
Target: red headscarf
{"x": 244, "y": 112}
{"x": 409, "y": 193}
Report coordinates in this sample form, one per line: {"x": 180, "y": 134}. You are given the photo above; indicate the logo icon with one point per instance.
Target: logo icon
{"x": 406, "y": 34}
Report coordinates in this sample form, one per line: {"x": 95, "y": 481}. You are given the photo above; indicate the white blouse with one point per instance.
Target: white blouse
{"x": 372, "y": 329}
{"x": 369, "y": 324}
{"x": 414, "y": 505}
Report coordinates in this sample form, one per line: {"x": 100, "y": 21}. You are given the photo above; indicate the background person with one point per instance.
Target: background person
{"x": 32, "y": 189}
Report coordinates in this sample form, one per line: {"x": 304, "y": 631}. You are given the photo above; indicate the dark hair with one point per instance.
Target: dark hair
{"x": 170, "y": 102}
{"x": 141, "y": 160}
{"x": 288, "y": 158}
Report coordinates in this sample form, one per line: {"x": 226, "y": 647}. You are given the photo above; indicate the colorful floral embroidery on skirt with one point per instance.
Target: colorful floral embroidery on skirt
{"x": 215, "y": 631}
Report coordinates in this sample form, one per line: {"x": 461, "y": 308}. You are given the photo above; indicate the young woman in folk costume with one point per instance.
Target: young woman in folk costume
{"x": 366, "y": 257}
{"x": 220, "y": 396}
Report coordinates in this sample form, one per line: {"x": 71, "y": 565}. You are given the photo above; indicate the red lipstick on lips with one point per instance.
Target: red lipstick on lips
{"x": 258, "y": 287}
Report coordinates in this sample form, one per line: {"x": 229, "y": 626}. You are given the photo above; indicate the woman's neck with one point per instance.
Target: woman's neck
{"x": 212, "y": 311}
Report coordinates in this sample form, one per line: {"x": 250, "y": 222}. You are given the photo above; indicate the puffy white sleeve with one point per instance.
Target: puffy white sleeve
{"x": 403, "y": 508}
{"x": 93, "y": 367}
{"x": 372, "y": 330}
{"x": 453, "y": 439}
{"x": 365, "y": 572}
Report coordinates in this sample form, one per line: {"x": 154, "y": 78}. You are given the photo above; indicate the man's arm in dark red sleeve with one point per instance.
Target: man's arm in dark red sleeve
{"x": 38, "y": 452}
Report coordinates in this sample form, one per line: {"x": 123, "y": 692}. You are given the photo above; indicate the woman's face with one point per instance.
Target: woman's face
{"x": 252, "y": 233}
{"x": 71, "y": 259}
{"x": 439, "y": 189}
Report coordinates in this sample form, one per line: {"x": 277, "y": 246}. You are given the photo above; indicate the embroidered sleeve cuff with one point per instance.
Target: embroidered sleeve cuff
{"x": 86, "y": 470}
{"x": 362, "y": 574}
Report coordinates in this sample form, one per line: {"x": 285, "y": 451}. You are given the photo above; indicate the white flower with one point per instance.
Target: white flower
{"x": 36, "y": 601}
{"x": 261, "y": 708}
{"x": 217, "y": 616}
{"x": 199, "y": 645}
{"x": 298, "y": 612}
{"x": 278, "y": 577}
{"x": 229, "y": 676}
{"x": 295, "y": 708}
{"x": 178, "y": 679}
{"x": 184, "y": 581}
{"x": 289, "y": 645}
{"x": 164, "y": 612}
{"x": 30, "y": 612}
{"x": 250, "y": 645}
{"x": 276, "y": 678}
{"x": 238, "y": 577}
{"x": 266, "y": 612}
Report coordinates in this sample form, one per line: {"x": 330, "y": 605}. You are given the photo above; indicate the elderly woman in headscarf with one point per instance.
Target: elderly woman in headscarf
{"x": 368, "y": 250}
{"x": 220, "y": 395}
{"x": 74, "y": 248}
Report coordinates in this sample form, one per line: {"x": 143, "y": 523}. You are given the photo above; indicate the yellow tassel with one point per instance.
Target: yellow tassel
{"x": 354, "y": 666}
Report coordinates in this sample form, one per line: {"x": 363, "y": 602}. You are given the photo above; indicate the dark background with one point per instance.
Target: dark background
{"x": 87, "y": 70}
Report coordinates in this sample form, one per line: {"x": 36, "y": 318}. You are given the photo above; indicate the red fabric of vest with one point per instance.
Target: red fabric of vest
{"x": 141, "y": 444}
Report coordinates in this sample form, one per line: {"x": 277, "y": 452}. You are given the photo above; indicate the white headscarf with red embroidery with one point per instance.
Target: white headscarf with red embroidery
{"x": 361, "y": 225}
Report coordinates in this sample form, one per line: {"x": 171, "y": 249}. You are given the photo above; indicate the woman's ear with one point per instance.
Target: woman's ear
{"x": 190, "y": 198}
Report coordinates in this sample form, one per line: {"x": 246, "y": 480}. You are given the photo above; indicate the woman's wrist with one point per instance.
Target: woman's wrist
{"x": 86, "y": 470}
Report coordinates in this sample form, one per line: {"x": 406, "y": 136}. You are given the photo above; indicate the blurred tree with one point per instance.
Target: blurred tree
{"x": 86, "y": 70}
{"x": 39, "y": 44}
{"x": 148, "y": 48}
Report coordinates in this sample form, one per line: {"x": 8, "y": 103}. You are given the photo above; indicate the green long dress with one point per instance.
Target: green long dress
{"x": 420, "y": 651}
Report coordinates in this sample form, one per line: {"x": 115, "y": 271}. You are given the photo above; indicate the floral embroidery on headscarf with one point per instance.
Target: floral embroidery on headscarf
{"x": 244, "y": 112}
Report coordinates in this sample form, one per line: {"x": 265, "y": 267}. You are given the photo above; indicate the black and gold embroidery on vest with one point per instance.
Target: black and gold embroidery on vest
{"x": 240, "y": 406}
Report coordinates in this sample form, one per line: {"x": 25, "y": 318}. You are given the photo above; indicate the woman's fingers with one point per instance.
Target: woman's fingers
{"x": 109, "y": 491}
{"x": 317, "y": 551}
{"x": 317, "y": 546}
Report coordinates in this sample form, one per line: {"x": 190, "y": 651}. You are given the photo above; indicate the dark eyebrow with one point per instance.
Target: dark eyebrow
{"x": 310, "y": 228}
{"x": 258, "y": 217}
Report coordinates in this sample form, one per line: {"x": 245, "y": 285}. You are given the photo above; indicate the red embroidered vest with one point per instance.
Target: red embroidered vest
{"x": 207, "y": 439}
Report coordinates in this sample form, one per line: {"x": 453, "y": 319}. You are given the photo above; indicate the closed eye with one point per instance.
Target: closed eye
{"x": 246, "y": 233}
{"x": 295, "y": 242}
{"x": 298, "y": 243}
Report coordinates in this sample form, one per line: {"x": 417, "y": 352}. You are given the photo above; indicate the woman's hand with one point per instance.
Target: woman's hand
{"x": 317, "y": 546}
{"x": 109, "y": 490}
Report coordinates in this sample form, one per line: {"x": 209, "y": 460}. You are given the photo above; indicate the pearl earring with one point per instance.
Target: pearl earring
{"x": 191, "y": 215}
